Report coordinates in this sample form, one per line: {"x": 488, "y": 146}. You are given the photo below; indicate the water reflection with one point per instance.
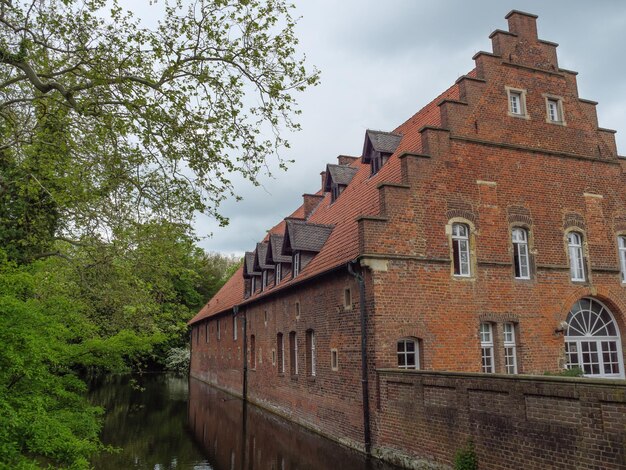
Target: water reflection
{"x": 236, "y": 436}
{"x": 146, "y": 418}
{"x": 150, "y": 420}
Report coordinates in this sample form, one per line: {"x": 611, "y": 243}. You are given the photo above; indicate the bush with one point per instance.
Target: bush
{"x": 573, "y": 372}
{"x": 465, "y": 458}
{"x": 177, "y": 360}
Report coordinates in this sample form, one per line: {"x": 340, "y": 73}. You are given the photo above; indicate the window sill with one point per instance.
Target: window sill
{"x": 281, "y": 374}
{"x": 558, "y": 123}
{"x": 294, "y": 378}
{"x": 519, "y": 116}
{"x": 310, "y": 379}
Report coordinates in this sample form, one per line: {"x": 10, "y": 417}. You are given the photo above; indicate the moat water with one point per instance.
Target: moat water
{"x": 164, "y": 422}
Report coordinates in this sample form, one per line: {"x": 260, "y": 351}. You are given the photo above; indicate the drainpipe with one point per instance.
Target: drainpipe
{"x": 364, "y": 372}
{"x": 245, "y": 351}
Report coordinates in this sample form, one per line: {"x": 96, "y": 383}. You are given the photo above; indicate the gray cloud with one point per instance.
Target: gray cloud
{"x": 382, "y": 61}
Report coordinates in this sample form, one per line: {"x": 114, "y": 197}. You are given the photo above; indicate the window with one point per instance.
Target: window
{"x": 486, "y": 347}
{"x": 408, "y": 354}
{"x": 461, "y": 250}
{"x": 297, "y": 310}
{"x": 265, "y": 318}
{"x": 293, "y": 353}
{"x": 206, "y": 332}
{"x": 576, "y": 260}
{"x": 310, "y": 353}
{"x": 621, "y": 241}
{"x": 517, "y": 102}
{"x": 347, "y": 299}
{"x": 253, "y": 288}
{"x": 336, "y": 190}
{"x": 510, "y": 351}
{"x": 334, "y": 359}
{"x": 280, "y": 347}
{"x": 197, "y": 330}
{"x": 252, "y": 351}
{"x": 592, "y": 340}
{"x": 234, "y": 328}
{"x": 264, "y": 280}
{"x": 296, "y": 263}
{"x": 279, "y": 273}
{"x": 273, "y": 357}
{"x": 521, "y": 262}
{"x": 554, "y": 109}
{"x": 219, "y": 332}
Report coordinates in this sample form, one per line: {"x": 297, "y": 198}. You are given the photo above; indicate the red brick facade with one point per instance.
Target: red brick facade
{"x": 469, "y": 157}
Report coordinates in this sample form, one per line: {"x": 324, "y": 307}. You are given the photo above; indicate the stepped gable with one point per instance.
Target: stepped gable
{"x": 360, "y": 198}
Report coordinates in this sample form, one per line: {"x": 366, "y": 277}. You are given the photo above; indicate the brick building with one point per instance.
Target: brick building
{"x": 486, "y": 234}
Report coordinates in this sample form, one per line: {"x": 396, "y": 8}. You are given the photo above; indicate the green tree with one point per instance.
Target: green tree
{"x": 155, "y": 121}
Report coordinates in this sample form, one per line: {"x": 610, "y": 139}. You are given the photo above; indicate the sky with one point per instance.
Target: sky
{"x": 382, "y": 61}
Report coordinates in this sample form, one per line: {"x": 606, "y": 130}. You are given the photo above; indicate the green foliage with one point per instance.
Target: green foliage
{"x": 571, "y": 372}
{"x": 465, "y": 458}
{"x": 177, "y": 360}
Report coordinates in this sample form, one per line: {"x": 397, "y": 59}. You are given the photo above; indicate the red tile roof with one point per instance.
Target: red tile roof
{"x": 360, "y": 198}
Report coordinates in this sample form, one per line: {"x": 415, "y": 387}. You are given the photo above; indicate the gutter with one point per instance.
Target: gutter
{"x": 364, "y": 372}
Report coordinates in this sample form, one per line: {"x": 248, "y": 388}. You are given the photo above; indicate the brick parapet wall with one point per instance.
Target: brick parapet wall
{"x": 514, "y": 421}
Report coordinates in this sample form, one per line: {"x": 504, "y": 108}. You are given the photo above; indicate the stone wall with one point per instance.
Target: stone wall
{"x": 514, "y": 421}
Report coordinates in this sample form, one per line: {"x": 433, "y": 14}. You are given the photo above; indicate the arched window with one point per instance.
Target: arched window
{"x": 593, "y": 341}
{"x": 408, "y": 354}
{"x": 519, "y": 237}
{"x": 461, "y": 250}
{"x": 575, "y": 249}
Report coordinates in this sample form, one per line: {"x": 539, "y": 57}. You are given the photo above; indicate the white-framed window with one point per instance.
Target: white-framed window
{"x": 278, "y": 274}
{"x": 461, "y": 249}
{"x": 621, "y": 243}
{"x": 554, "y": 109}
{"x": 253, "y": 285}
{"x": 264, "y": 280}
{"x": 486, "y": 348}
{"x": 517, "y": 102}
{"x": 576, "y": 259}
{"x": 334, "y": 359}
{"x": 293, "y": 353}
{"x": 310, "y": 356}
{"x": 592, "y": 340}
{"x": 510, "y": 348}
{"x": 521, "y": 260}
{"x": 234, "y": 328}
{"x": 408, "y": 353}
{"x": 296, "y": 263}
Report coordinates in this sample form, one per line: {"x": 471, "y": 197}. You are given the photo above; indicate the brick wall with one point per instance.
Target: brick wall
{"x": 514, "y": 422}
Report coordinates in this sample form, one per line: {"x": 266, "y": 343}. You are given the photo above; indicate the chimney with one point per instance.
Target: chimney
{"x": 311, "y": 201}
{"x": 346, "y": 159}
{"x": 323, "y": 175}
{"x": 523, "y": 24}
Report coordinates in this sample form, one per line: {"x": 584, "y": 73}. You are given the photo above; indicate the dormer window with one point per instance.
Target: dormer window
{"x": 296, "y": 263}
{"x": 337, "y": 189}
{"x": 264, "y": 280}
{"x": 253, "y": 288}
{"x": 378, "y": 147}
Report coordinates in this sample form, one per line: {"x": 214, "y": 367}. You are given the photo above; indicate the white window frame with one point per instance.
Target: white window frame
{"x": 403, "y": 353}
{"x": 576, "y": 256}
{"x": 621, "y": 245}
{"x": 253, "y": 285}
{"x": 296, "y": 263}
{"x": 586, "y": 346}
{"x": 281, "y": 345}
{"x": 312, "y": 352}
{"x": 234, "y": 328}
{"x": 460, "y": 248}
{"x": 521, "y": 257}
{"x": 486, "y": 348}
{"x": 554, "y": 109}
{"x": 510, "y": 348}
{"x": 264, "y": 280}
{"x": 516, "y": 99}
{"x": 278, "y": 273}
